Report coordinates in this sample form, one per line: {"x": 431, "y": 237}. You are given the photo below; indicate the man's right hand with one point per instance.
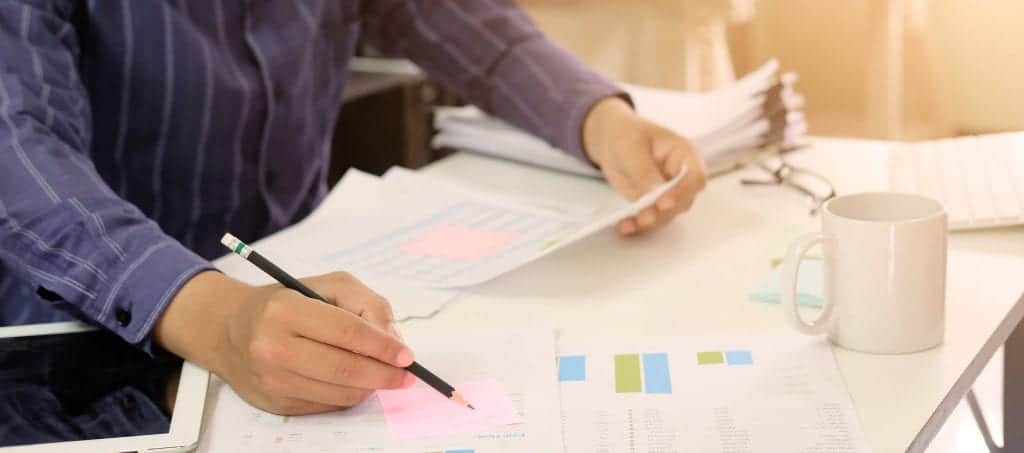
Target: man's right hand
{"x": 283, "y": 352}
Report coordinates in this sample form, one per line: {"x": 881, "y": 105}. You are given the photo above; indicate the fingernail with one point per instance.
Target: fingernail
{"x": 408, "y": 381}
{"x": 666, "y": 204}
{"x": 404, "y": 358}
{"x": 627, "y": 228}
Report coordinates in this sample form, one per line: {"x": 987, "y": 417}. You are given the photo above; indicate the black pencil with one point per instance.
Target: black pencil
{"x": 243, "y": 250}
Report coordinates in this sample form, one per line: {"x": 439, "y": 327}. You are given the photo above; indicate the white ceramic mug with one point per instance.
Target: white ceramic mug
{"x": 885, "y": 273}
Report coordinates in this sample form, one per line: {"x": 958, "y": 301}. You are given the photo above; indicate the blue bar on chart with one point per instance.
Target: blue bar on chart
{"x": 657, "y": 378}
{"x": 739, "y": 358}
{"x": 572, "y": 368}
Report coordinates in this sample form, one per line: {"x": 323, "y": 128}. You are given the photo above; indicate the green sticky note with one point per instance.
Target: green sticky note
{"x": 627, "y": 373}
{"x": 710, "y": 358}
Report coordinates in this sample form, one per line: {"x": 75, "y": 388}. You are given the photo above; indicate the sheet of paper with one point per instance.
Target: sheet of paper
{"x": 606, "y": 220}
{"x": 423, "y": 413}
{"x": 457, "y": 242}
{"x": 526, "y": 374}
{"x": 342, "y": 218}
{"x": 451, "y": 237}
{"x": 737, "y": 394}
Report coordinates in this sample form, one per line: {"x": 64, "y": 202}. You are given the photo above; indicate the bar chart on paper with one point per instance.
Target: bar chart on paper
{"x": 467, "y": 242}
{"x": 634, "y": 373}
{"x": 704, "y": 394}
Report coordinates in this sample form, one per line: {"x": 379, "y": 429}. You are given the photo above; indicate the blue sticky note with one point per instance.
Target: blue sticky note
{"x": 810, "y": 285}
{"x": 572, "y": 368}
{"x": 458, "y": 451}
{"x": 739, "y": 358}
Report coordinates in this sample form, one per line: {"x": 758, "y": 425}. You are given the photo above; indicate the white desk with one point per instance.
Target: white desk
{"x": 693, "y": 279}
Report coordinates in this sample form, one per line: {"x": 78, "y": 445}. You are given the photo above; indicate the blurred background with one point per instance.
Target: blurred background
{"x": 893, "y": 69}
{"x": 885, "y": 69}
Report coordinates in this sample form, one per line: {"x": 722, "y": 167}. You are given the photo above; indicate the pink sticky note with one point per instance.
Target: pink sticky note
{"x": 422, "y": 412}
{"x": 456, "y": 242}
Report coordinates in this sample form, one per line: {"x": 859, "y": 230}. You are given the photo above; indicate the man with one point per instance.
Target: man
{"x": 134, "y": 133}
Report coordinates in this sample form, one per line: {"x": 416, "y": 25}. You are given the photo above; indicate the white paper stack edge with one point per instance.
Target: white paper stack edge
{"x": 760, "y": 110}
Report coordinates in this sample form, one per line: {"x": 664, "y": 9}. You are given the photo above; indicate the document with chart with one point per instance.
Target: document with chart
{"x": 345, "y": 215}
{"x": 439, "y": 235}
{"x": 513, "y": 389}
{"x": 704, "y": 394}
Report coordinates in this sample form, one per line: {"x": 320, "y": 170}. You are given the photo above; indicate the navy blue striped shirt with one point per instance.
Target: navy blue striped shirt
{"x": 133, "y": 133}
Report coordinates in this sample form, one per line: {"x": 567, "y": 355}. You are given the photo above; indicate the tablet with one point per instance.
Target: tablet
{"x": 69, "y": 387}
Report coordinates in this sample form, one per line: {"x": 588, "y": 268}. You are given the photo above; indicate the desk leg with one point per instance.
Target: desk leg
{"x": 1013, "y": 391}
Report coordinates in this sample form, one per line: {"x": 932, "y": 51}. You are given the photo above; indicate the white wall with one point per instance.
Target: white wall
{"x": 981, "y": 49}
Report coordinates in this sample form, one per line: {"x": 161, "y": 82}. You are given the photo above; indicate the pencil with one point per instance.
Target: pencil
{"x": 243, "y": 250}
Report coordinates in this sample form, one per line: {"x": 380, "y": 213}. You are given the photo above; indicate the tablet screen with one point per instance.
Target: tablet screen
{"x": 82, "y": 386}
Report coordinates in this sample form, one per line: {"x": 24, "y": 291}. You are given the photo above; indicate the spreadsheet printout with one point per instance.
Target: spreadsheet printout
{"x": 436, "y": 235}
{"x": 705, "y": 394}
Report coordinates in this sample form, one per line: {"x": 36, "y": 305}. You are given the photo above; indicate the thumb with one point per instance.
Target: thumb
{"x": 641, "y": 174}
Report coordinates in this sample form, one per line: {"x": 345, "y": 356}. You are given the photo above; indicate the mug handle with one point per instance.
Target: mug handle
{"x": 787, "y": 291}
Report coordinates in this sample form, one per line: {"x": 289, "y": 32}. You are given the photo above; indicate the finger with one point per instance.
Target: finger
{"x": 626, "y": 227}
{"x": 670, "y": 155}
{"x": 658, "y": 222}
{"x": 299, "y": 407}
{"x": 337, "y": 366}
{"x": 641, "y": 175}
{"x": 305, "y": 393}
{"x": 685, "y": 201}
{"x": 696, "y": 168}
{"x": 342, "y": 329}
{"x": 295, "y": 406}
{"x": 285, "y": 405}
{"x": 646, "y": 217}
{"x": 673, "y": 164}
{"x": 683, "y": 194}
{"x": 346, "y": 291}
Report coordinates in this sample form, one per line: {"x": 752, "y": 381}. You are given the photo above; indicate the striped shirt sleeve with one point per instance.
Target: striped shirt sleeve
{"x": 492, "y": 54}
{"x": 61, "y": 227}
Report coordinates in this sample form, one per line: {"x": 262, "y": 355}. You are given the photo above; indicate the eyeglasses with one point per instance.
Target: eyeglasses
{"x": 780, "y": 173}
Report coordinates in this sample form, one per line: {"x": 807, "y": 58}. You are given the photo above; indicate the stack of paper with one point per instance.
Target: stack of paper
{"x": 759, "y": 111}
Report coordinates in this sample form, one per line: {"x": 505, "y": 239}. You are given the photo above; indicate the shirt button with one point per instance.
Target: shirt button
{"x": 124, "y": 317}
{"x": 128, "y": 403}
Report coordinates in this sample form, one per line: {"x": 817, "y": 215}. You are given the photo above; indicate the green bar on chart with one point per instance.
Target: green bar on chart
{"x": 627, "y": 374}
{"x": 710, "y": 358}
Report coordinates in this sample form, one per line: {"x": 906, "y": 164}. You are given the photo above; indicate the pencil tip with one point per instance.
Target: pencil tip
{"x": 457, "y": 397}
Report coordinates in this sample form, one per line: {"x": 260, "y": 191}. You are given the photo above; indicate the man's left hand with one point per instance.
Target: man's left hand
{"x": 636, "y": 155}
